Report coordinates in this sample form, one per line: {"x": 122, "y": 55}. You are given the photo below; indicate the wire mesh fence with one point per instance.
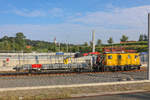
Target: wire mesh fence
{"x": 13, "y": 59}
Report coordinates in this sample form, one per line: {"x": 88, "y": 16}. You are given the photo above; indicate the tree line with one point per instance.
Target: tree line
{"x": 124, "y": 38}
{"x": 142, "y": 37}
{"x": 20, "y": 43}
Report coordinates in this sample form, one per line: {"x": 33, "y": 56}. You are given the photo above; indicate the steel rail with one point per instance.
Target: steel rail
{"x": 61, "y": 73}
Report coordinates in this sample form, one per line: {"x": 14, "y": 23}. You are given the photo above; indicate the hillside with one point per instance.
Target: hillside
{"x": 19, "y": 43}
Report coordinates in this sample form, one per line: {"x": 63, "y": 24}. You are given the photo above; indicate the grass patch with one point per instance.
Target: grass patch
{"x": 45, "y": 94}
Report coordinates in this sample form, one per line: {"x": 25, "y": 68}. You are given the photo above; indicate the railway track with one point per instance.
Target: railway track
{"x": 60, "y": 73}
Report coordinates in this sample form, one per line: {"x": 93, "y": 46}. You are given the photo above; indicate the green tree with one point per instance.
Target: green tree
{"x": 124, "y": 38}
{"x": 85, "y": 44}
{"x": 20, "y": 40}
{"x": 145, "y": 37}
{"x": 99, "y": 42}
{"x": 141, "y": 38}
{"x": 20, "y": 35}
{"x": 110, "y": 41}
{"x": 75, "y": 49}
{"x": 5, "y": 38}
{"x": 6, "y": 43}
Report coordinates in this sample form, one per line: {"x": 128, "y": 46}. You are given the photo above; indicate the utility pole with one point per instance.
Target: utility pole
{"x": 93, "y": 41}
{"x": 67, "y": 47}
{"x": 148, "y": 67}
{"x": 93, "y": 47}
{"x": 67, "y": 43}
{"x": 59, "y": 46}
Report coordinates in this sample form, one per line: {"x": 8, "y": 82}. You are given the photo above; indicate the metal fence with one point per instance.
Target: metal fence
{"x": 144, "y": 58}
{"x": 18, "y": 59}
{"x": 13, "y": 59}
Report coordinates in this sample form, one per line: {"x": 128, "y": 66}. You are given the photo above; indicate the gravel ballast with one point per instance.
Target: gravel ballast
{"x": 29, "y": 81}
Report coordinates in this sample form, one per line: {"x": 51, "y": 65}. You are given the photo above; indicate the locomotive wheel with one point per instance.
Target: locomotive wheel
{"x": 30, "y": 70}
{"x": 114, "y": 69}
{"x": 78, "y": 70}
{"x": 106, "y": 69}
{"x": 18, "y": 70}
{"x": 117, "y": 68}
{"x": 121, "y": 68}
{"x": 126, "y": 68}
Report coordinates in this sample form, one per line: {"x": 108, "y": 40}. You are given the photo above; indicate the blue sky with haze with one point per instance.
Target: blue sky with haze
{"x": 73, "y": 20}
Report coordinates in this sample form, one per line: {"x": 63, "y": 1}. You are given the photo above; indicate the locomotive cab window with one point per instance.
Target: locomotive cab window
{"x": 129, "y": 56}
{"x": 110, "y": 57}
{"x": 119, "y": 56}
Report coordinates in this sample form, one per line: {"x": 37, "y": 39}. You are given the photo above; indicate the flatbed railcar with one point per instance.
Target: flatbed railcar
{"x": 44, "y": 67}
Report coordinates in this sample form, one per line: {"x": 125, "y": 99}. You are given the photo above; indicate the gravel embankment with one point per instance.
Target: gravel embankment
{"x": 27, "y": 81}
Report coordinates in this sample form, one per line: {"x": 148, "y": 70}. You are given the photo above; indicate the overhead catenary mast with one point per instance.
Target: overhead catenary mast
{"x": 93, "y": 41}
{"x": 55, "y": 41}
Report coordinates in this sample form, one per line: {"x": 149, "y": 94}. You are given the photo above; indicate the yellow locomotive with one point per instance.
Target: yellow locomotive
{"x": 117, "y": 61}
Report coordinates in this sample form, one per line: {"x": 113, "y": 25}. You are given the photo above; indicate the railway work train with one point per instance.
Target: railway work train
{"x": 117, "y": 62}
{"x": 107, "y": 61}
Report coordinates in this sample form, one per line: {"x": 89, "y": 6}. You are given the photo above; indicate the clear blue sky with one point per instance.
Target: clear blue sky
{"x": 73, "y": 20}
